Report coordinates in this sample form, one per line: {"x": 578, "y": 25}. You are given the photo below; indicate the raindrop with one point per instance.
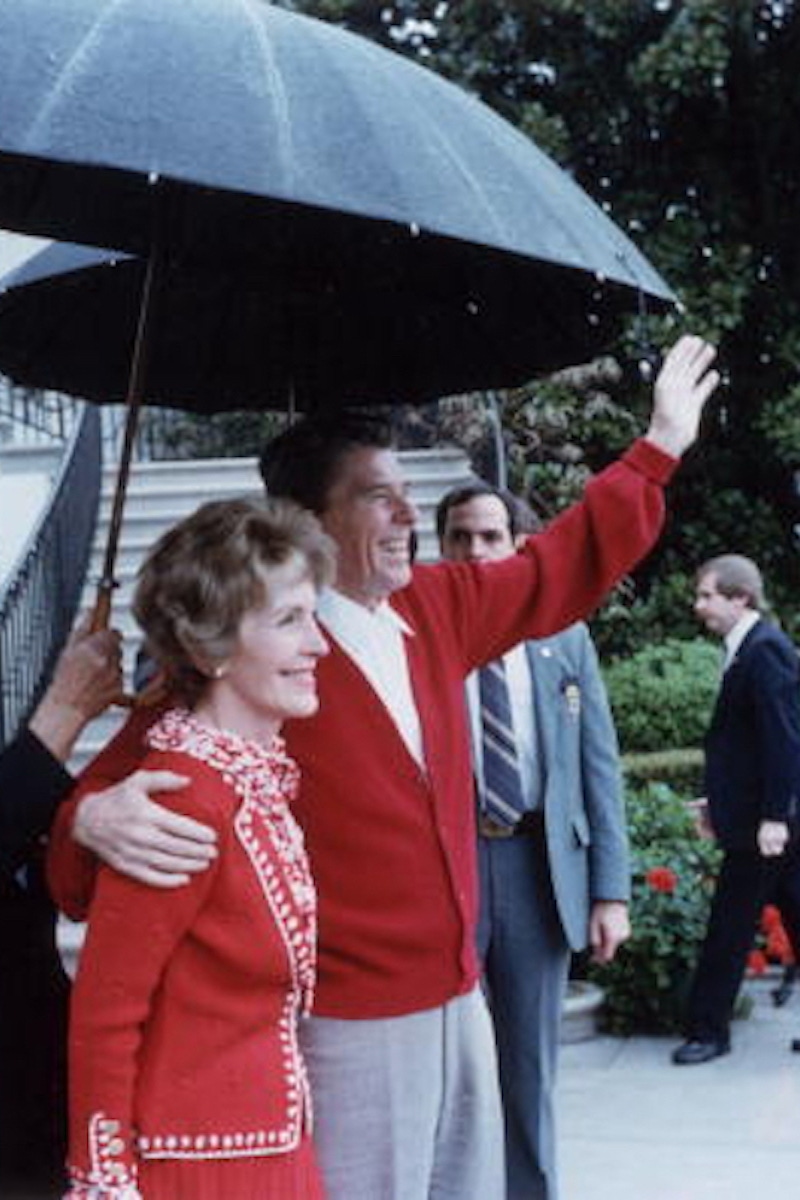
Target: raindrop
{"x": 707, "y": 252}
{"x": 765, "y": 359}
{"x": 600, "y": 277}
{"x": 413, "y": 229}
{"x": 473, "y": 308}
{"x": 153, "y": 178}
{"x": 593, "y": 319}
{"x": 718, "y": 80}
{"x": 542, "y": 72}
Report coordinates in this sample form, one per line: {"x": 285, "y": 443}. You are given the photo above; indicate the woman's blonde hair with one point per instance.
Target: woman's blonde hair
{"x": 205, "y": 573}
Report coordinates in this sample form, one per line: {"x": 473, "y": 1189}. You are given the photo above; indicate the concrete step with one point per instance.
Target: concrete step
{"x": 16, "y": 459}
{"x": 27, "y": 474}
{"x": 211, "y": 470}
{"x": 425, "y": 469}
{"x": 161, "y": 493}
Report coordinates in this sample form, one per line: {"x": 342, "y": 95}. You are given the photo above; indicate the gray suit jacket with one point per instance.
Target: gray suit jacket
{"x": 587, "y": 840}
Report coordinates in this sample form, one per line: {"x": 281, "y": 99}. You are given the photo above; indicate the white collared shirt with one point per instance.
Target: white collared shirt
{"x": 734, "y": 637}
{"x": 374, "y": 640}
{"x": 523, "y": 719}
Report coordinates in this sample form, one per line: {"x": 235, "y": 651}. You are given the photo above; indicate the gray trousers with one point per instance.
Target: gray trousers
{"x": 526, "y": 964}
{"x": 408, "y": 1108}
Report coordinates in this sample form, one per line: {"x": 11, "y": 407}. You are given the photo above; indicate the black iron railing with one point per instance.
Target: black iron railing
{"x": 40, "y": 597}
{"x": 168, "y": 434}
{"x": 29, "y": 416}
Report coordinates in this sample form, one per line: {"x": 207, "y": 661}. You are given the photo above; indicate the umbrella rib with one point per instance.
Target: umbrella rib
{"x": 67, "y": 72}
{"x": 447, "y": 150}
{"x": 285, "y": 141}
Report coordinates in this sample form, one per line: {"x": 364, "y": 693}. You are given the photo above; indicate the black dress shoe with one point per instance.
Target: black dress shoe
{"x": 697, "y": 1051}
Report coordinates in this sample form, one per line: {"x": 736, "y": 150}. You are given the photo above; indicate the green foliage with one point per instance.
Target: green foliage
{"x": 631, "y": 621}
{"x": 673, "y": 872}
{"x": 779, "y": 424}
{"x": 680, "y": 769}
{"x": 682, "y": 119}
{"x": 223, "y": 435}
{"x": 692, "y": 56}
{"x": 663, "y": 696}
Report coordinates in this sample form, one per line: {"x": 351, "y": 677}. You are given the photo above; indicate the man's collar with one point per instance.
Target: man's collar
{"x": 735, "y": 636}
{"x": 336, "y": 610}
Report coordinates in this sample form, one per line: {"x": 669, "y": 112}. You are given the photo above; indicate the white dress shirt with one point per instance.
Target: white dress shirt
{"x": 375, "y": 641}
{"x": 734, "y": 637}
{"x": 523, "y": 720}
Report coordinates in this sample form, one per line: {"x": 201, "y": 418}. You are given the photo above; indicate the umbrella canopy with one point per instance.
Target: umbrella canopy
{"x": 221, "y": 341}
{"x": 389, "y": 237}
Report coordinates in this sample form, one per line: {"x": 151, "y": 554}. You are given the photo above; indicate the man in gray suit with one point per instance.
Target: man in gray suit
{"x": 553, "y": 859}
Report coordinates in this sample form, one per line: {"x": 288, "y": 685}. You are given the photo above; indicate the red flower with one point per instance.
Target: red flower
{"x": 778, "y": 948}
{"x": 770, "y": 918}
{"x": 662, "y": 879}
{"x": 756, "y": 962}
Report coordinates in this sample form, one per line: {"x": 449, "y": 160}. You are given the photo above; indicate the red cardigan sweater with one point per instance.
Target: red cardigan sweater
{"x": 183, "y": 1040}
{"x": 392, "y": 848}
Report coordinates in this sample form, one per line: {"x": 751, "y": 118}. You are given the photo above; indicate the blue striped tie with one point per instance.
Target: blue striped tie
{"x": 502, "y": 784}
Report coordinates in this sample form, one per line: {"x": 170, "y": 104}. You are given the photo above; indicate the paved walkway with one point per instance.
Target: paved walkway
{"x": 635, "y": 1127}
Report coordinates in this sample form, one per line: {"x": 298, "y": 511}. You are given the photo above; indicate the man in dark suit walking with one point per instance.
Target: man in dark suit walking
{"x": 752, "y": 790}
{"x": 553, "y": 858}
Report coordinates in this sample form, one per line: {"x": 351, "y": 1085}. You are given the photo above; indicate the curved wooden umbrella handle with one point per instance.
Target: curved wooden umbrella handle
{"x": 101, "y": 613}
{"x": 157, "y": 688}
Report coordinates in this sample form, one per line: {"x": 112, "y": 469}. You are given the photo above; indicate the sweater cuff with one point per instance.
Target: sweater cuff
{"x": 646, "y": 458}
{"x": 36, "y": 752}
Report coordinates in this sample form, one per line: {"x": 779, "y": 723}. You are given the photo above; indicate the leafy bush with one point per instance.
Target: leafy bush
{"x": 681, "y": 769}
{"x": 630, "y": 621}
{"x": 662, "y": 696}
{"x": 673, "y": 875}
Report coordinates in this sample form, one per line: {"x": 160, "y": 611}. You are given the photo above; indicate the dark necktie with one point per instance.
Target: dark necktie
{"x": 502, "y": 798}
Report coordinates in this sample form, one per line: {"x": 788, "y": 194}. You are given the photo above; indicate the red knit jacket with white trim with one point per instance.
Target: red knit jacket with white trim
{"x": 183, "y": 1024}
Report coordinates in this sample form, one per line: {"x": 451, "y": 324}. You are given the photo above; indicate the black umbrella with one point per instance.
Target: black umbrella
{"x": 373, "y": 197}
{"x": 68, "y": 317}
{"x": 382, "y": 234}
